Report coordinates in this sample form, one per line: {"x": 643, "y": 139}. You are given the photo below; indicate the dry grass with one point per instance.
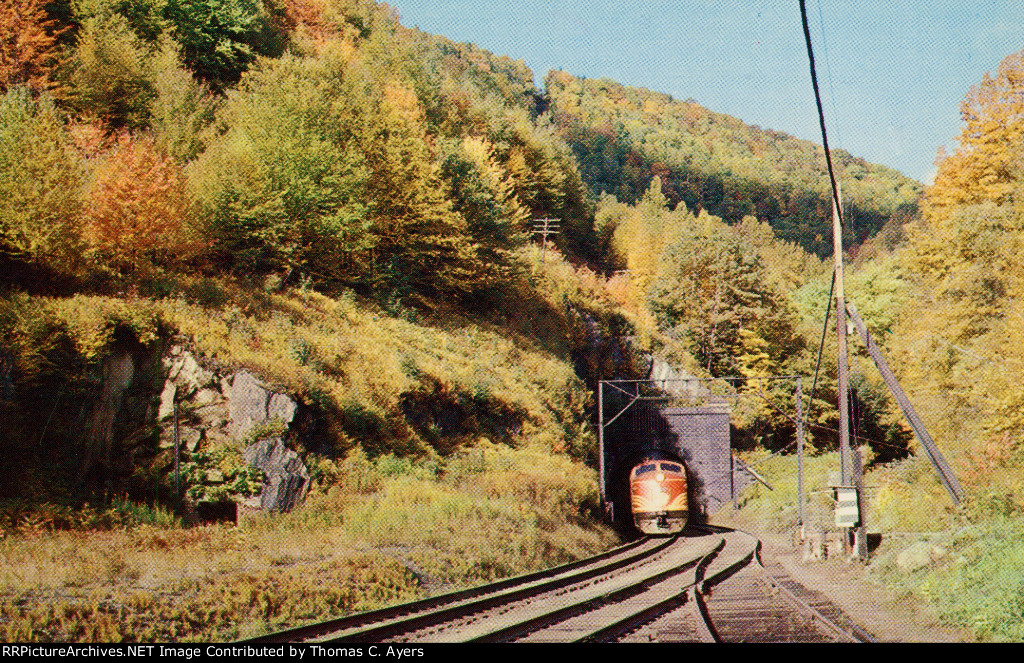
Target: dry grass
{"x": 180, "y": 584}
{"x": 422, "y": 509}
{"x": 388, "y": 530}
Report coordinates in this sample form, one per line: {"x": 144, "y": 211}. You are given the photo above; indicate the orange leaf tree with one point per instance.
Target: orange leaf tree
{"x": 137, "y": 210}
{"x": 28, "y": 44}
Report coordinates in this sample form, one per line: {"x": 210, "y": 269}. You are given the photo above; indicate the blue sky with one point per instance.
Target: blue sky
{"x": 892, "y": 72}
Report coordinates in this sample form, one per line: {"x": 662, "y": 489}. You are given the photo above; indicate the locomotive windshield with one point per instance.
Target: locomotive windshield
{"x": 671, "y": 467}
{"x": 643, "y": 469}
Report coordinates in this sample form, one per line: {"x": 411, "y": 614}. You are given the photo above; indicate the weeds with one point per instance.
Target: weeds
{"x": 449, "y": 506}
{"x": 482, "y": 514}
{"x": 35, "y": 518}
{"x": 975, "y": 578}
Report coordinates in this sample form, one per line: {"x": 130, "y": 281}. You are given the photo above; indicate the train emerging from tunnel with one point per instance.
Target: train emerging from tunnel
{"x": 658, "y": 495}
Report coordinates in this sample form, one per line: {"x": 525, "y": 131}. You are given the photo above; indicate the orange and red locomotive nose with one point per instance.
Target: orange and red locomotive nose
{"x": 658, "y": 496}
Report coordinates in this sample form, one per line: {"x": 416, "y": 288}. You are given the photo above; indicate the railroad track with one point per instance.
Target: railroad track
{"x": 706, "y": 586}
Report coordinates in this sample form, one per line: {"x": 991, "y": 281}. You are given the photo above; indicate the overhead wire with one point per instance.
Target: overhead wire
{"x": 855, "y": 434}
{"x": 821, "y": 348}
{"x": 828, "y": 75}
{"x": 828, "y": 160}
{"x": 821, "y": 112}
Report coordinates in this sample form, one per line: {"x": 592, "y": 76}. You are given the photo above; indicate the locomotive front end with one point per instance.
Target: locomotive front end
{"x": 658, "y": 496}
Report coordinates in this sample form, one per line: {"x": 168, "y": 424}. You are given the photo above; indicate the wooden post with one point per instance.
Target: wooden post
{"x": 844, "y": 366}
{"x": 860, "y": 534}
{"x": 177, "y": 446}
{"x": 849, "y": 458}
{"x": 600, "y": 441}
{"x": 800, "y": 452}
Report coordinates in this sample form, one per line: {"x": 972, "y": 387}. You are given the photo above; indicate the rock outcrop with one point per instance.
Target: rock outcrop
{"x": 216, "y": 409}
{"x": 919, "y": 555}
{"x": 286, "y": 475}
{"x": 251, "y": 405}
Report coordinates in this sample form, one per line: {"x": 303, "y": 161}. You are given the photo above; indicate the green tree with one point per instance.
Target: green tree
{"x": 625, "y": 136}
{"x": 183, "y": 109}
{"x": 284, "y": 187}
{"x": 713, "y": 288}
{"x": 420, "y": 241}
{"x": 144, "y": 17}
{"x": 481, "y": 191}
{"x": 221, "y": 38}
{"x": 40, "y": 181}
{"x": 110, "y": 75}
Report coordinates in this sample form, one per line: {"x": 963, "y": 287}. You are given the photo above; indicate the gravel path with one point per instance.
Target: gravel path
{"x": 888, "y": 618}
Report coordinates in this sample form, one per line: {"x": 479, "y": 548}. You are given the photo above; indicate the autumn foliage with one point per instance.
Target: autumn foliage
{"x": 982, "y": 168}
{"x": 963, "y": 258}
{"x": 138, "y": 207}
{"x": 40, "y": 180}
{"x": 28, "y": 44}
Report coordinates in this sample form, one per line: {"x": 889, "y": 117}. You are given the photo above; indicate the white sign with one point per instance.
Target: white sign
{"x": 847, "y": 511}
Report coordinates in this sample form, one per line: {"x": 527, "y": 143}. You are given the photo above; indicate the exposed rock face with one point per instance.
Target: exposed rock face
{"x": 675, "y": 382}
{"x": 216, "y": 409}
{"x": 251, "y": 404}
{"x": 186, "y": 373}
{"x": 287, "y": 477}
{"x": 118, "y": 372}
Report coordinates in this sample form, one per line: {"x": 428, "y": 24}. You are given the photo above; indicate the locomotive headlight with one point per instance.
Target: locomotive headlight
{"x": 659, "y": 477}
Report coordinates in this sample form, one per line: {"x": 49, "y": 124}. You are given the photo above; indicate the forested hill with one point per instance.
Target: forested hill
{"x": 204, "y": 169}
{"x": 623, "y": 136}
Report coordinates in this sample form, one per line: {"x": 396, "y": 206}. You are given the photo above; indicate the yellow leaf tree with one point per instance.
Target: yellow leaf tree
{"x": 982, "y": 168}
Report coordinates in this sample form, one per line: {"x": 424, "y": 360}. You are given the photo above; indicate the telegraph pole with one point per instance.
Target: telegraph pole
{"x": 844, "y": 366}
{"x": 544, "y": 227}
{"x": 846, "y": 504}
{"x": 851, "y": 469}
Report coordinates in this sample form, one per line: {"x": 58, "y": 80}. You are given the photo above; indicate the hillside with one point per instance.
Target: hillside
{"x": 275, "y": 261}
{"x": 263, "y": 197}
{"x": 622, "y": 136}
{"x": 310, "y": 192}
{"x": 171, "y": 177}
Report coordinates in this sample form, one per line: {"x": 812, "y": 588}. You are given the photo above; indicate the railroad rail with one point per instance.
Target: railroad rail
{"x": 707, "y": 585}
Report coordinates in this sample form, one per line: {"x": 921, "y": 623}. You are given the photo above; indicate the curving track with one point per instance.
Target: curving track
{"x": 707, "y": 586}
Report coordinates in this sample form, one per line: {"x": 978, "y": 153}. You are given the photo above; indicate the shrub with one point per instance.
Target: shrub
{"x": 280, "y": 188}
{"x": 109, "y": 76}
{"x": 220, "y": 38}
{"x": 28, "y": 45}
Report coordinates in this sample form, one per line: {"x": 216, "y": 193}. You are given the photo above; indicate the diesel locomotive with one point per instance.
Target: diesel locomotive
{"x": 657, "y": 489}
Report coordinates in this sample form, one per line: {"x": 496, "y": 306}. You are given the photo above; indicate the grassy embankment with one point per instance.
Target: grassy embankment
{"x": 397, "y": 510}
{"x": 975, "y": 582}
{"x": 386, "y": 531}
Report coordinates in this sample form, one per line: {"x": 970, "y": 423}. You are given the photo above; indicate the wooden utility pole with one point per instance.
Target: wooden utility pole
{"x": 545, "y": 227}
{"x": 800, "y": 453}
{"x": 851, "y": 470}
{"x": 844, "y": 366}
{"x": 600, "y": 442}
